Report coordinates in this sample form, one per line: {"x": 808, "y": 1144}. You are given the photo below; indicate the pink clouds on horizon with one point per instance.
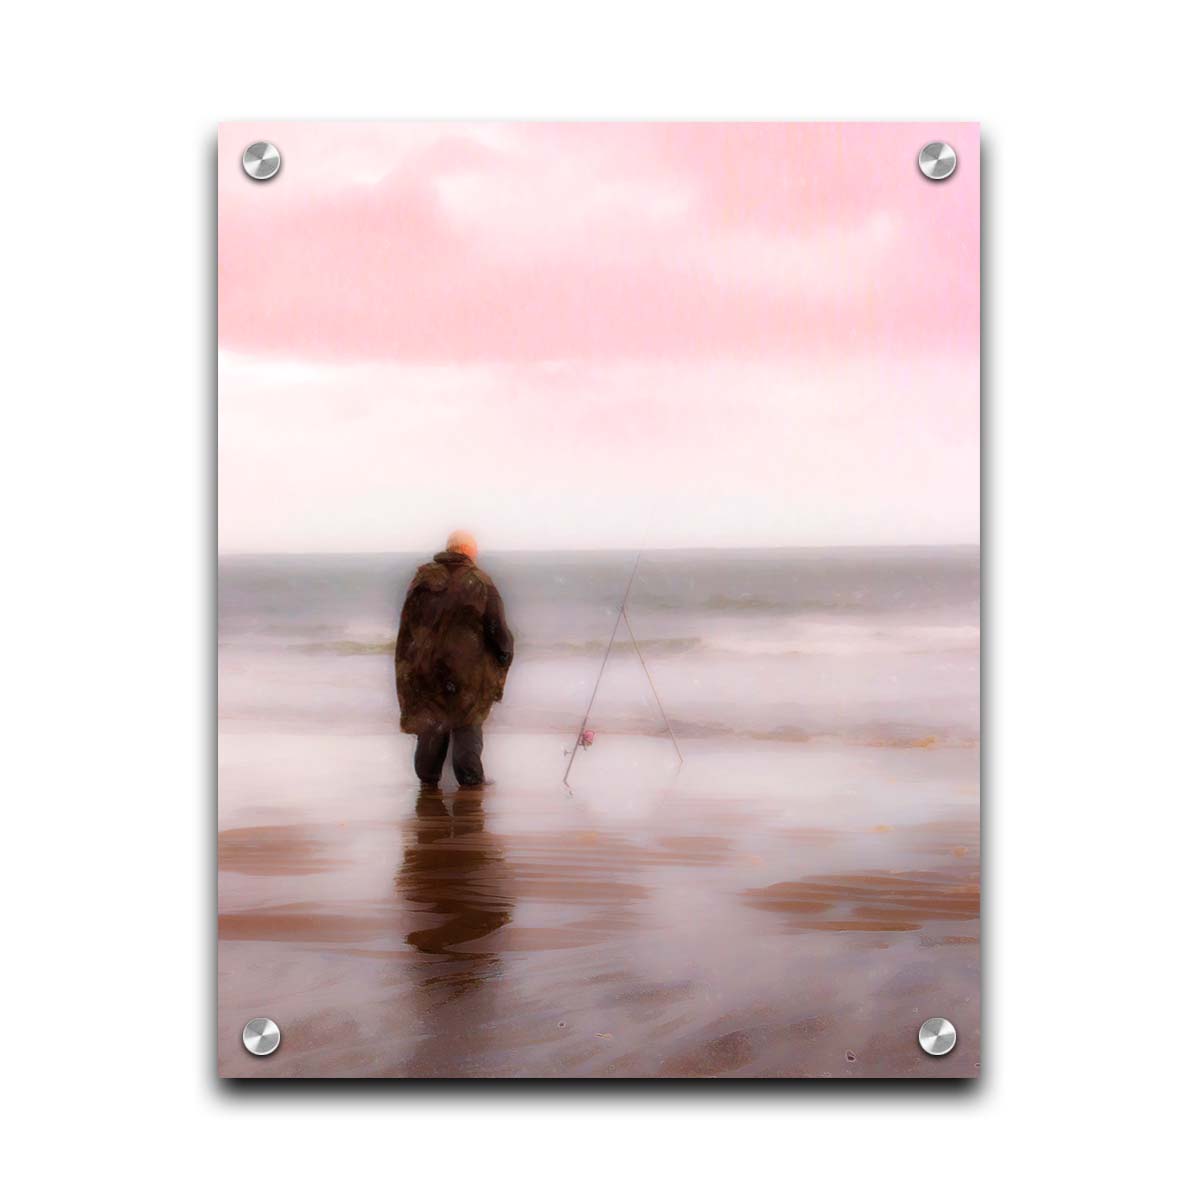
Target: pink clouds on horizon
{"x": 530, "y": 243}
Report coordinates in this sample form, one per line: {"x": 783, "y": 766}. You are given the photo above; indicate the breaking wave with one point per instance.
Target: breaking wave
{"x": 804, "y": 639}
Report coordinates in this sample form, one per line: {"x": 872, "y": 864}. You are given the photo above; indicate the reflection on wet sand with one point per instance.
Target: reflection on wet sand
{"x": 454, "y": 871}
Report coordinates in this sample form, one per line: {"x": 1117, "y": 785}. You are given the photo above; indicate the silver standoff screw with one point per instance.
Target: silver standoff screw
{"x": 937, "y": 161}
{"x": 261, "y": 1036}
{"x": 262, "y": 161}
{"x": 937, "y": 1036}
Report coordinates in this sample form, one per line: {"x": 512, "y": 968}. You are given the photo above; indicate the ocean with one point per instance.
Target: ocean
{"x": 875, "y": 646}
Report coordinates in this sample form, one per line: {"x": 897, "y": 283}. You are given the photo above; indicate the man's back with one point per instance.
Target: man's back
{"x": 453, "y": 648}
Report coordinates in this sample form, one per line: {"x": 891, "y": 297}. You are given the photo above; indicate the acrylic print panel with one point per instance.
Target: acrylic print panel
{"x": 643, "y": 452}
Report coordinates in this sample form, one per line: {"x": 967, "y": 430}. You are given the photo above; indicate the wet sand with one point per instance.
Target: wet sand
{"x": 767, "y": 910}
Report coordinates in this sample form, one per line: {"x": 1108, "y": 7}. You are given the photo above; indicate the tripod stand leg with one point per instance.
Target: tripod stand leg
{"x": 650, "y": 679}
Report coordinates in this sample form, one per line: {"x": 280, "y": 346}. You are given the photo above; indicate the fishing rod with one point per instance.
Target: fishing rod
{"x": 622, "y": 614}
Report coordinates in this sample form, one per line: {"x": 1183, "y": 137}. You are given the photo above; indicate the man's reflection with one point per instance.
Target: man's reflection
{"x": 454, "y": 881}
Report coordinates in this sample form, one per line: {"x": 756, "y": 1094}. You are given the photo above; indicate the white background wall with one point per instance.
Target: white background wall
{"x": 1090, "y": 426}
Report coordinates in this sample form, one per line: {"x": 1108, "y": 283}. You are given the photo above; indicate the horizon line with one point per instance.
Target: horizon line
{"x": 612, "y": 549}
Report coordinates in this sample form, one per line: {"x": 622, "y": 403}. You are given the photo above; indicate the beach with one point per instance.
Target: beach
{"x": 791, "y": 901}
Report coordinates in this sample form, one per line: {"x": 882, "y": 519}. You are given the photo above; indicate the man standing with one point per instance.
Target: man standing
{"x": 452, "y": 656}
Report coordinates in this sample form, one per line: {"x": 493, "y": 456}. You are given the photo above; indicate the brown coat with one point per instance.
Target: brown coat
{"x": 453, "y": 649}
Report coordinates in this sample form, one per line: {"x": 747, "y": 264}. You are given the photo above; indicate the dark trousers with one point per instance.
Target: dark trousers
{"x": 466, "y": 758}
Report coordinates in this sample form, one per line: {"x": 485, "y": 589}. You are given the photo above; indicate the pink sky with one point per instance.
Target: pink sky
{"x": 597, "y": 335}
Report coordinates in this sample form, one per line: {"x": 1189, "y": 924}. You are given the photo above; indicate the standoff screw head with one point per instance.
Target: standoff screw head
{"x": 261, "y": 161}
{"x": 261, "y": 1036}
{"x": 937, "y": 161}
{"x": 937, "y": 1036}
